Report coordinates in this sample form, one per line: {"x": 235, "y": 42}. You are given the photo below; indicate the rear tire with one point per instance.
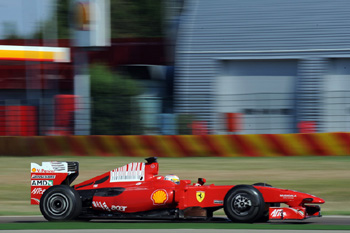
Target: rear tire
{"x": 60, "y": 203}
{"x": 244, "y": 203}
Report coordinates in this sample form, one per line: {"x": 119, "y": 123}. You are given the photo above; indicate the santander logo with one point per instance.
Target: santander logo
{"x": 277, "y": 213}
{"x": 38, "y": 191}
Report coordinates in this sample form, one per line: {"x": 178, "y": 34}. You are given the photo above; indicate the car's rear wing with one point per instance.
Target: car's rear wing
{"x": 49, "y": 174}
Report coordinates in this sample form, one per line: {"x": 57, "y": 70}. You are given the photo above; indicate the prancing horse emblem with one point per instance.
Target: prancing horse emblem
{"x": 200, "y": 196}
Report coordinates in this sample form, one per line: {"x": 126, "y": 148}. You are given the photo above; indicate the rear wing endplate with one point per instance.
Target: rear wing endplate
{"x": 49, "y": 174}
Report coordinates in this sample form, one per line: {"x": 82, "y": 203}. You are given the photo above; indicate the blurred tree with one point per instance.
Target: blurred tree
{"x": 10, "y": 31}
{"x": 63, "y": 19}
{"x": 114, "y": 111}
{"x": 128, "y": 19}
{"x": 59, "y": 21}
{"x": 136, "y": 18}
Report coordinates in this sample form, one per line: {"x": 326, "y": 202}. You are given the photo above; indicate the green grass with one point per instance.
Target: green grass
{"x": 326, "y": 177}
{"x": 113, "y": 225}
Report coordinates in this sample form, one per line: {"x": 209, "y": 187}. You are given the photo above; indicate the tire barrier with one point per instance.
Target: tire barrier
{"x": 320, "y": 144}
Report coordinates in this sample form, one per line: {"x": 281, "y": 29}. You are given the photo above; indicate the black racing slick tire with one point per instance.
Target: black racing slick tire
{"x": 60, "y": 203}
{"x": 262, "y": 184}
{"x": 244, "y": 203}
{"x": 265, "y": 216}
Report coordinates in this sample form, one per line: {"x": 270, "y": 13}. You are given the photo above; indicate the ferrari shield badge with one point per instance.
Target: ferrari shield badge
{"x": 200, "y": 196}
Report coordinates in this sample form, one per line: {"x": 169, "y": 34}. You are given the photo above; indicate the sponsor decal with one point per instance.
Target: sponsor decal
{"x": 42, "y": 183}
{"x": 39, "y": 191}
{"x": 200, "y": 195}
{"x": 43, "y": 176}
{"x": 36, "y": 200}
{"x": 218, "y": 202}
{"x": 59, "y": 166}
{"x": 129, "y": 172}
{"x": 277, "y": 213}
{"x": 49, "y": 167}
{"x": 118, "y": 208}
{"x": 159, "y": 197}
{"x": 300, "y": 212}
{"x": 287, "y": 196}
{"x": 99, "y": 204}
{"x": 39, "y": 170}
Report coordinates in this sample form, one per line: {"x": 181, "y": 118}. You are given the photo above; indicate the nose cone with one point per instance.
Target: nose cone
{"x": 318, "y": 200}
{"x": 310, "y": 199}
{"x": 313, "y": 200}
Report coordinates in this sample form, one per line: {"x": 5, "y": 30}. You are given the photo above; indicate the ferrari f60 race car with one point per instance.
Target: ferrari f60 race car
{"x": 135, "y": 191}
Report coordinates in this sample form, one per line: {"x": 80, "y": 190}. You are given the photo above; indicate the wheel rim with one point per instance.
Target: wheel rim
{"x": 57, "y": 204}
{"x": 241, "y": 204}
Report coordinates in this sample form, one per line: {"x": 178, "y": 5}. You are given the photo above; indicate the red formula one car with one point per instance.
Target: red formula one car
{"x": 136, "y": 191}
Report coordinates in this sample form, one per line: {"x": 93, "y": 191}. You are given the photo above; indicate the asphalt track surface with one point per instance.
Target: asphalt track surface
{"x": 325, "y": 220}
{"x": 177, "y": 231}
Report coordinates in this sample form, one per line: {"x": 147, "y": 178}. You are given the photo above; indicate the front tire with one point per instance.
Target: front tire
{"x": 244, "y": 203}
{"x": 265, "y": 217}
{"x": 60, "y": 203}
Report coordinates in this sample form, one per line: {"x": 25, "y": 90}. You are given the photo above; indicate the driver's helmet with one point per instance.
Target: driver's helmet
{"x": 172, "y": 178}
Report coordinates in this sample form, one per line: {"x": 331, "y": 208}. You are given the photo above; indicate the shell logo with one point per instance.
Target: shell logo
{"x": 159, "y": 197}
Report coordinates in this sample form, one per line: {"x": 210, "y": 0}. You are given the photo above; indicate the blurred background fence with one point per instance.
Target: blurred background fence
{"x": 149, "y": 115}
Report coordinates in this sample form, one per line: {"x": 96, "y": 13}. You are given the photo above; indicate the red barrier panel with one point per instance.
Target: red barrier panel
{"x": 64, "y": 109}
{"x": 233, "y": 122}
{"x": 199, "y": 128}
{"x": 65, "y": 106}
{"x": 307, "y": 127}
{"x": 18, "y": 121}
